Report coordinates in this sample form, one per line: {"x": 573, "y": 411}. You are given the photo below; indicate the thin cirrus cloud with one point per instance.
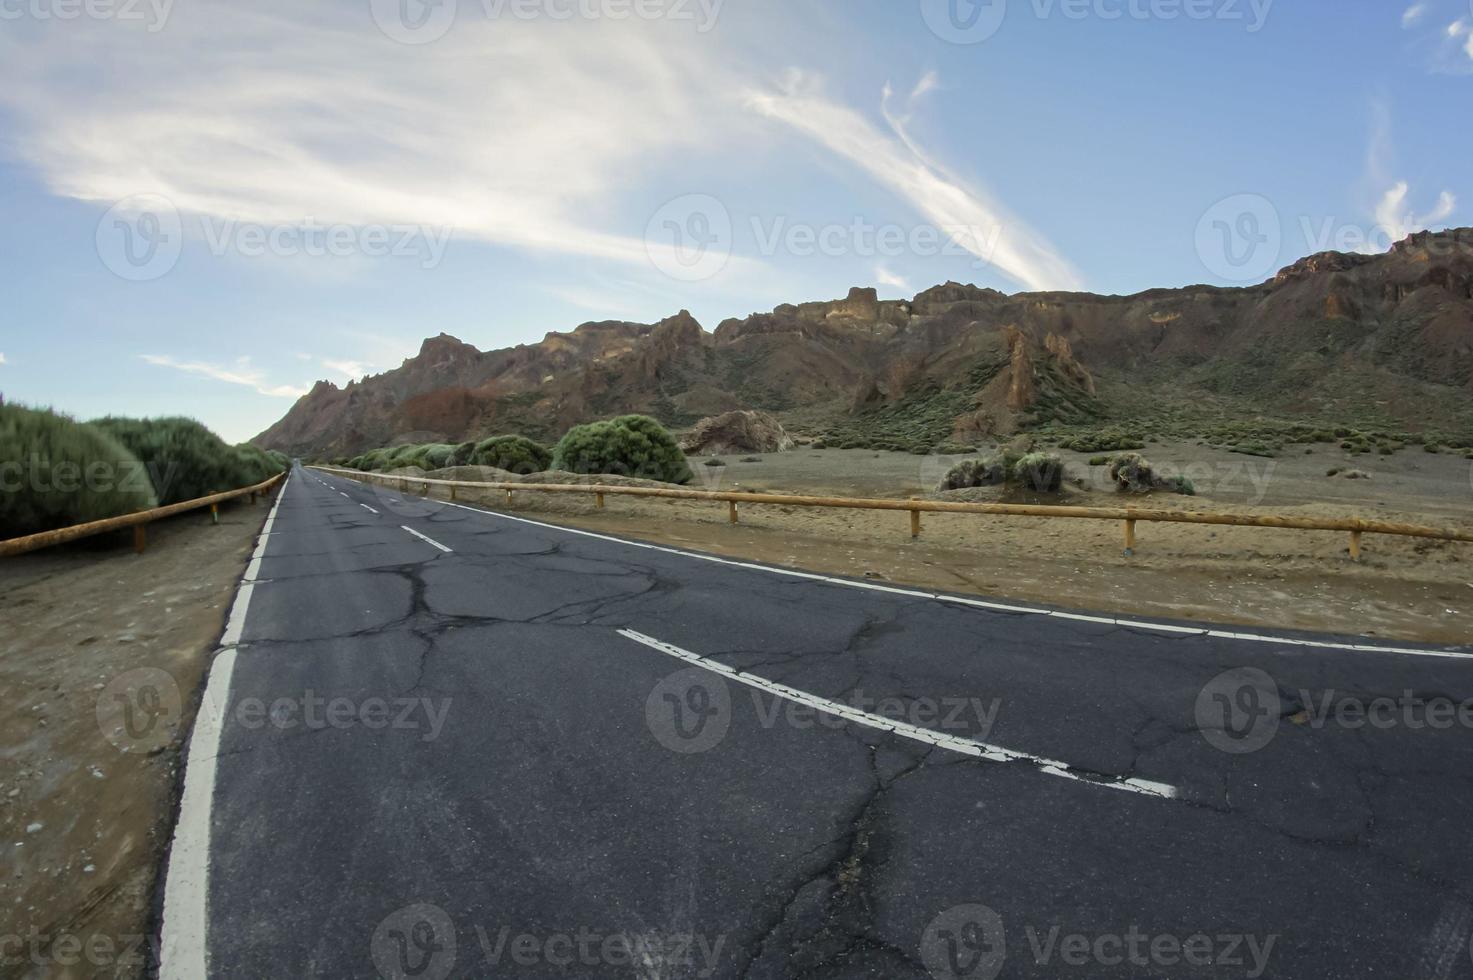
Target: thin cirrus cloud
{"x": 275, "y": 113}
{"x": 240, "y": 375}
{"x": 1392, "y": 213}
{"x": 980, "y": 225}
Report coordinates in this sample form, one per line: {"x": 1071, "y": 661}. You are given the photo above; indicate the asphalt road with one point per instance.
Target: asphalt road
{"x": 458, "y": 743}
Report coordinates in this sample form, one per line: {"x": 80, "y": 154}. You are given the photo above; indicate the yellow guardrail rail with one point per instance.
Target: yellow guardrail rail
{"x": 1128, "y": 516}
{"x": 137, "y": 520}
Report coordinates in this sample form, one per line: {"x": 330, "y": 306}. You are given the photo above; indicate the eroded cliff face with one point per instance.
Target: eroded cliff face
{"x": 1406, "y": 316}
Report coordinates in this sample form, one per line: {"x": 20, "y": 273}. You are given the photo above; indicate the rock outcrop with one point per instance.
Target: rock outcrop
{"x": 738, "y": 432}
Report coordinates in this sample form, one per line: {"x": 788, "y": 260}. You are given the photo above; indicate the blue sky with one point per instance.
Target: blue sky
{"x": 211, "y": 205}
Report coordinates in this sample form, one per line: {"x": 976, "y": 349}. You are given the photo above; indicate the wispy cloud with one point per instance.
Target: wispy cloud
{"x": 1413, "y": 15}
{"x": 352, "y": 370}
{"x": 884, "y": 277}
{"x": 241, "y": 375}
{"x": 1392, "y": 214}
{"x": 274, "y": 112}
{"x": 2, "y": 358}
{"x": 982, "y": 226}
{"x": 1396, "y": 219}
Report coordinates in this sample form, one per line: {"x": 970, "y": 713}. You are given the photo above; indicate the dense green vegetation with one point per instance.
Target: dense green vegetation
{"x": 55, "y": 471}
{"x": 629, "y": 445}
{"x": 516, "y": 454}
{"x": 185, "y": 460}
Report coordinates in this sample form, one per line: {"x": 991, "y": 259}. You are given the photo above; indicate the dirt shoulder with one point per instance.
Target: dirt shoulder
{"x": 1404, "y": 588}
{"x": 101, "y": 656}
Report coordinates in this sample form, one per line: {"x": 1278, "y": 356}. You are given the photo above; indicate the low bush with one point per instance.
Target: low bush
{"x": 56, "y": 472}
{"x": 1040, "y": 472}
{"x": 185, "y": 460}
{"x": 1105, "y": 440}
{"x": 515, "y": 454}
{"x": 630, "y": 445}
{"x": 988, "y": 472}
{"x": 1134, "y": 473}
{"x": 464, "y": 454}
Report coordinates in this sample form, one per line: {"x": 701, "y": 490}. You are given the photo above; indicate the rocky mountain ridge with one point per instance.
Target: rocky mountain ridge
{"x": 1325, "y": 327}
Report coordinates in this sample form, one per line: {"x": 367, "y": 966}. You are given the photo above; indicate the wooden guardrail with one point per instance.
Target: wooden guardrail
{"x": 1128, "y": 516}
{"x": 138, "y": 521}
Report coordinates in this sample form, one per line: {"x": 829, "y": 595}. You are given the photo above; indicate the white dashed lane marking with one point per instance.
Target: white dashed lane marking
{"x": 426, "y": 538}
{"x": 953, "y": 743}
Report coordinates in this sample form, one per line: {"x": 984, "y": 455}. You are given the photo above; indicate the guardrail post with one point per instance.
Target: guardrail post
{"x": 140, "y": 538}
{"x": 404, "y": 484}
{"x": 253, "y": 498}
{"x": 452, "y": 491}
{"x": 731, "y": 511}
{"x": 214, "y": 513}
{"x": 915, "y": 521}
{"x": 1355, "y": 545}
{"x": 598, "y": 501}
{"x": 1129, "y": 538}
{"x": 508, "y": 498}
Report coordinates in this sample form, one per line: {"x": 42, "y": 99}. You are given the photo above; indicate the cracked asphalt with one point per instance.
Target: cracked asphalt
{"x": 588, "y": 806}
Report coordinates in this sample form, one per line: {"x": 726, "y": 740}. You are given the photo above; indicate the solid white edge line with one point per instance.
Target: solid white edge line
{"x": 183, "y": 931}
{"x": 1126, "y": 623}
{"x": 426, "y": 538}
{"x": 954, "y": 743}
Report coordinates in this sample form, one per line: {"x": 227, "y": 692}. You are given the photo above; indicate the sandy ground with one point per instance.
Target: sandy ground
{"x": 1404, "y": 588}
{"x": 100, "y": 660}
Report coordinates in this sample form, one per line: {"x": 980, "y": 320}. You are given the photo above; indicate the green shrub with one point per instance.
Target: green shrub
{"x": 464, "y": 454}
{"x": 1105, "y": 440}
{"x": 987, "y": 472}
{"x": 435, "y": 456}
{"x": 1099, "y": 460}
{"x": 516, "y": 454}
{"x": 1134, "y": 473}
{"x": 257, "y": 465}
{"x": 630, "y": 445}
{"x": 184, "y": 459}
{"x": 56, "y": 472}
{"x": 1040, "y": 472}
